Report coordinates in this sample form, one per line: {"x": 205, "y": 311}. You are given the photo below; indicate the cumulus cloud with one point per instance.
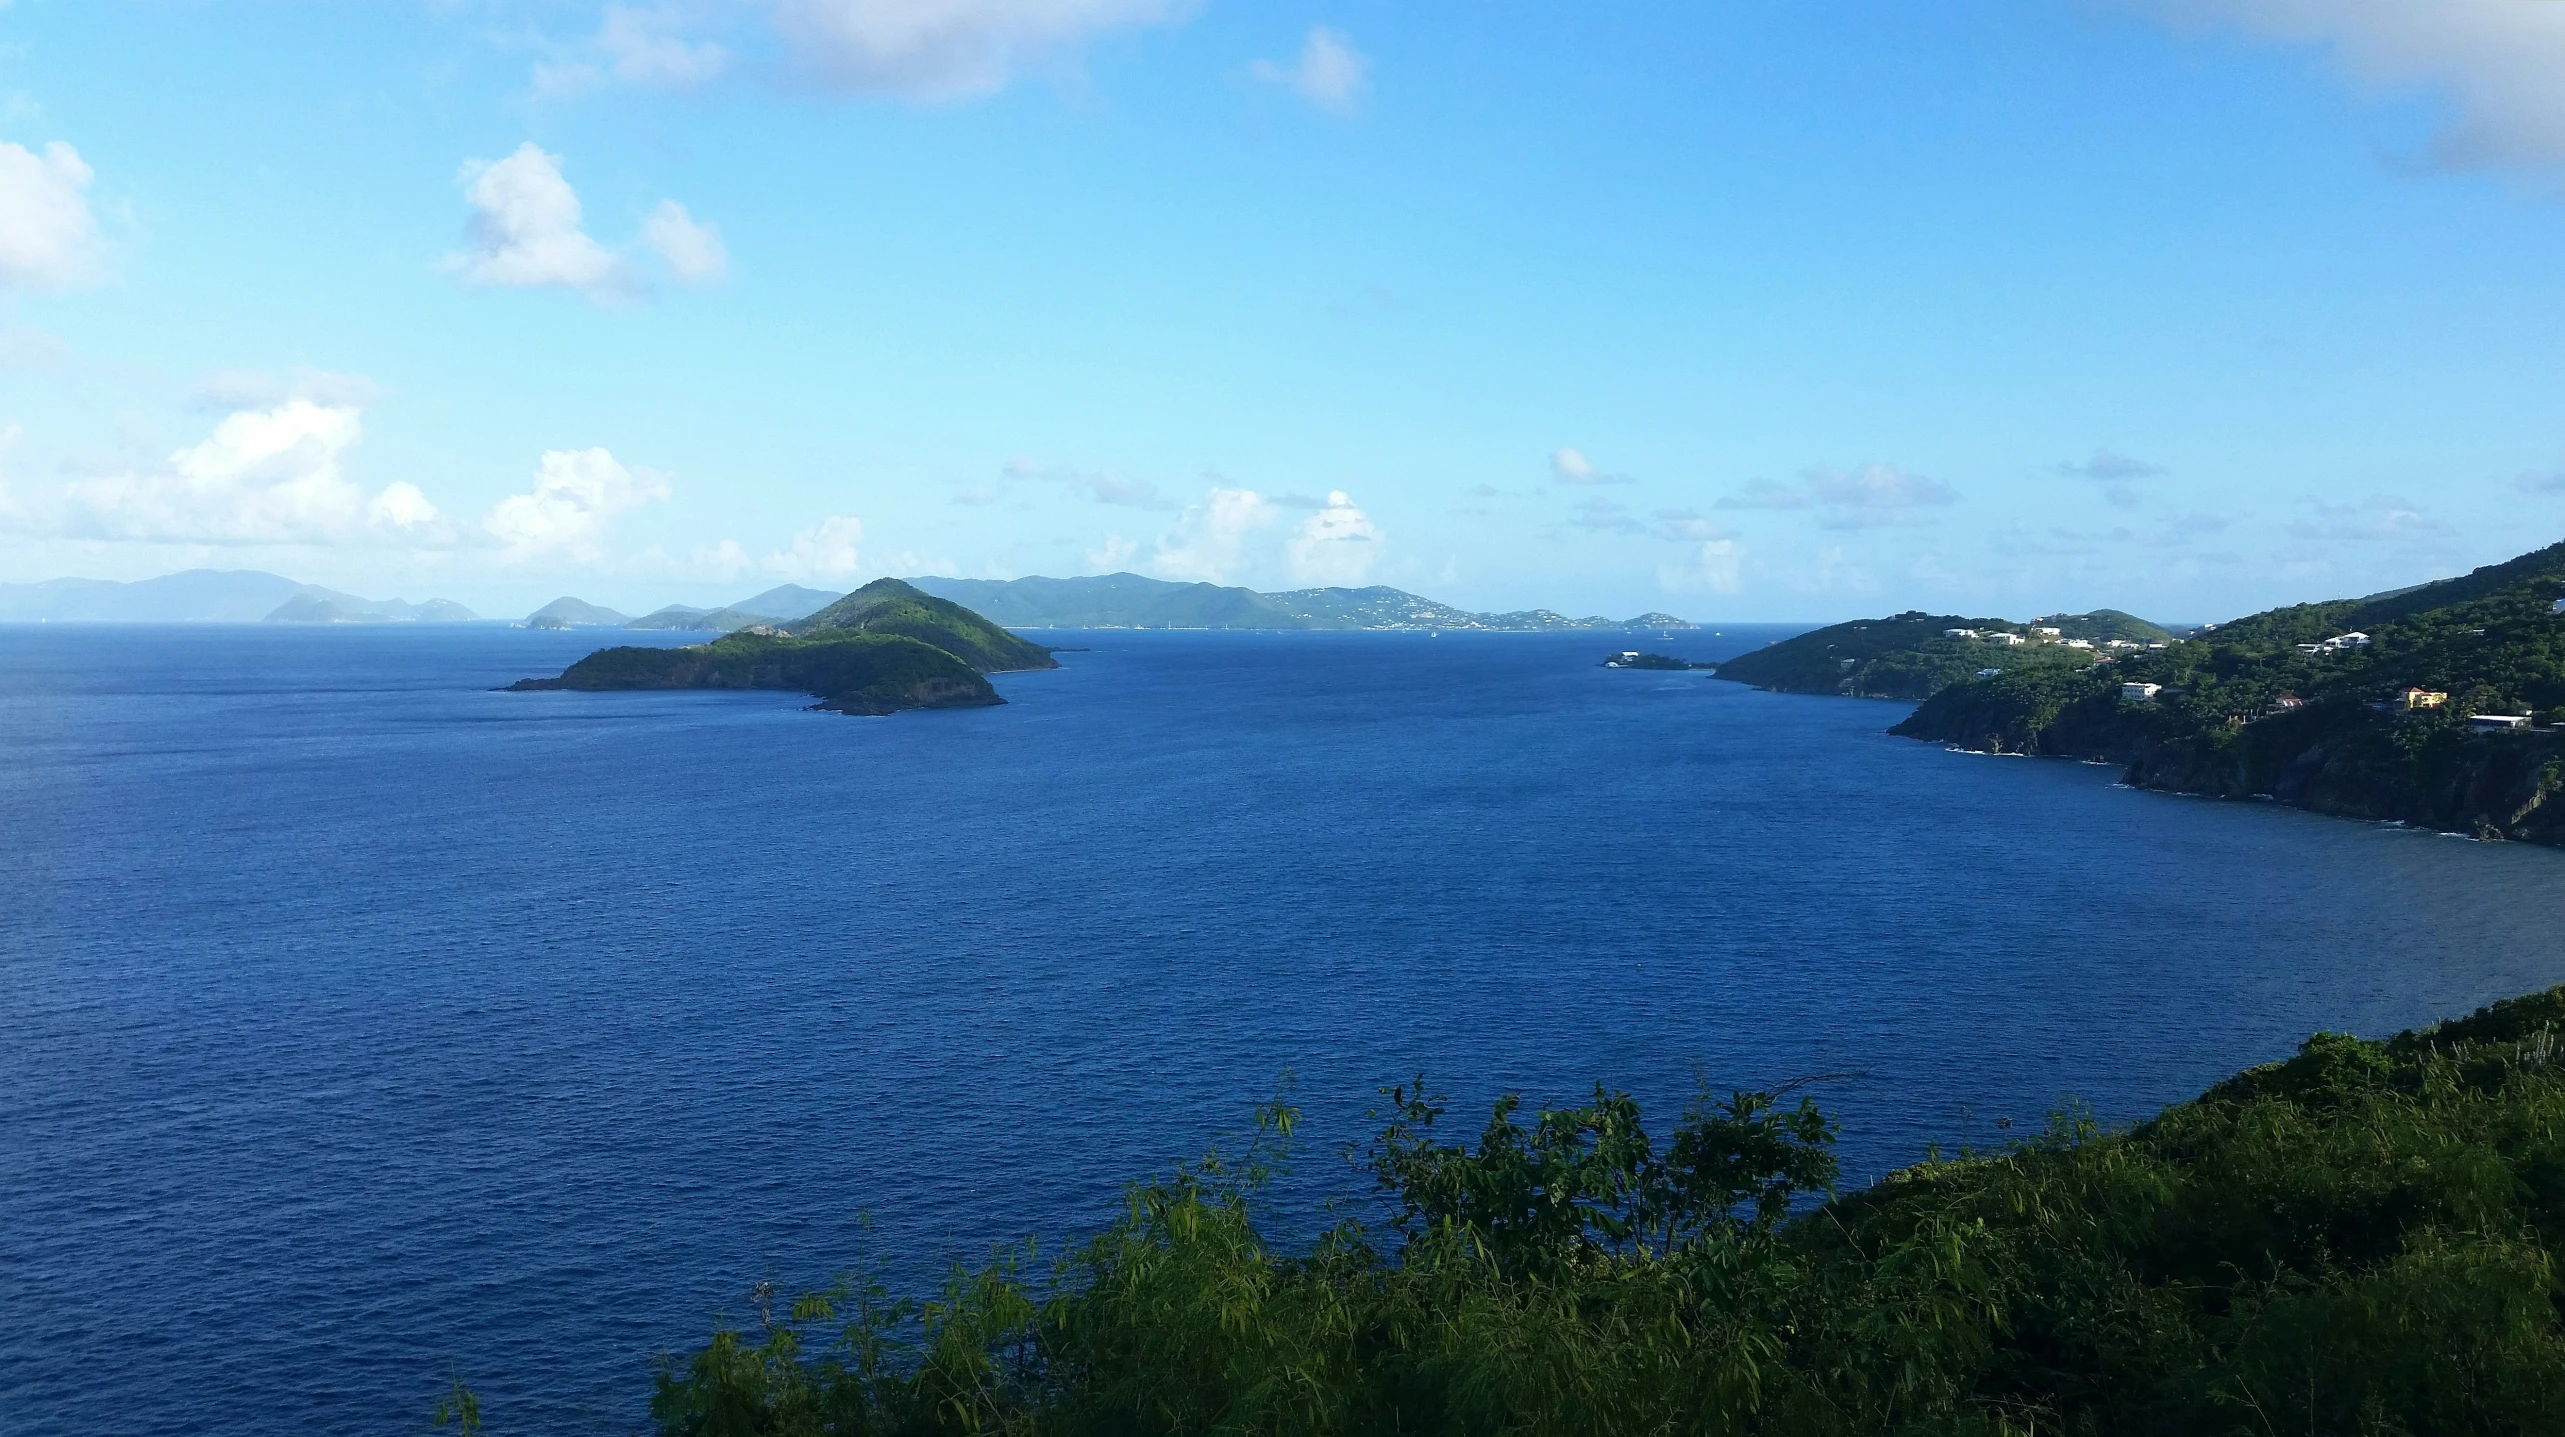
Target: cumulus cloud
{"x": 48, "y": 238}
{"x": 576, "y": 491}
{"x": 1209, "y": 540}
{"x": 525, "y": 229}
{"x": 263, "y": 476}
{"x": 2115, "y": 473}
{"x": 649, "y": 47}
{"x": 1336, "y": 545}
{"x": 1568, "y": 466}
{"x": 825, "y": 551}
{"x": 1870, "y": 497}
{"x": 1112, "y": 555}
{"x": 527, "y": 232}
{"x": 1712, "y": 565}
{"x": 2375, "y": 519}
{"x": 950, "y": 49}
{"x": 2495, "y": 61}
{"x": 1330, "y": 72}
{"x": 693, "y": 252}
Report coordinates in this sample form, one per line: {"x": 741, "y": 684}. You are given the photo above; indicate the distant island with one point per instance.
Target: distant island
{"x": 2441, "y": 705}
{"x": 1107, "y": 601}
{"x": 885, "y": 648}
{"x": 1129, "y": 601}
{"x": 211, "y": 596}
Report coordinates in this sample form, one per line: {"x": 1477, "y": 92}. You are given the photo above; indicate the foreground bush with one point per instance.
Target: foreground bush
{"x": 2358, "y": 1240}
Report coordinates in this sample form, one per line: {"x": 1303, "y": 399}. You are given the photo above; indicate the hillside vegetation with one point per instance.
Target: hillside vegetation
{"x": 2360, "y": 1239}
{"x": 2243, "y": 710}
{"x": 1908, "y": 656}
{"x": 888, "y": 606}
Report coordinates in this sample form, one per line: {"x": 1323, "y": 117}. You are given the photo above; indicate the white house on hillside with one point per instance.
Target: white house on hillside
{"x": 2140, "y": 693}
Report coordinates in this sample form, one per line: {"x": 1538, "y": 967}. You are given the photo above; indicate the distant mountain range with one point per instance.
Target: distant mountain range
{"x": 210, "y": 596}
{"x": 1128, "y": 601}
{"x": 1108, "y": 601}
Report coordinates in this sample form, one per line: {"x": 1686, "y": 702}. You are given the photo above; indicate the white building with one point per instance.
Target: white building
{"x": 2354, "y": 640}
{"x": 2498, "y": 723}
{"x": 2079, "y": 643}
{"x": 1959, "y": 633}
{"x": 1988, "y": 673}
{"x": 2140, "y": 693}
{"x": 2047, "y": 633}
{"x": 2006, "y": 637}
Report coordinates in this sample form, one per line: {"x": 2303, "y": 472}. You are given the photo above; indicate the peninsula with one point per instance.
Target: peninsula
{"x": 882, "y": 649}
{"x": 2441, "y": 706}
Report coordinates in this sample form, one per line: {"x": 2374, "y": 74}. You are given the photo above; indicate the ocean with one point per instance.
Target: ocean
{"x": 367, "y": 1028}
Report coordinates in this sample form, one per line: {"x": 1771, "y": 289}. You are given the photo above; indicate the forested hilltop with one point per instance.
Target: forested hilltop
{"x": 1914, "y": 655}
{"x": 2439, "y": 705}
{"x": 2360, "y": 1239}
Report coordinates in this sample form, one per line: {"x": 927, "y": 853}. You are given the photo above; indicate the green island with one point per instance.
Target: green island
{"x": 1914, "y": 655}
{"x": 882, "y": 649}
{"x": 2363, "y": 1238}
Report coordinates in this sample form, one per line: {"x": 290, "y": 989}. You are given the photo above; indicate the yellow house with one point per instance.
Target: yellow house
{"x": 2422, "y": 699}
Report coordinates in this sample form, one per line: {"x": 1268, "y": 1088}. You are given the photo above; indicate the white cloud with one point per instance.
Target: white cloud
{"x": 1330, "y": 72}
{"x": 725, "y": 560}
{"x": 950, "y": 49}
{"x": 48, "y": 238}
{"x": 1112, "y": 555}
{"x": 1569, "y": 466}
{"x": 2378, "y": 518}
{"x": 1209, "y": 540}
{"x": 1712, "y": 566}
{"x": 826, "y": 550}
{"x": 264, "y": 476}
{"x": 1336, "y": 545}
{"x": 575, "y": 492}
{"x": 525, "y": 228}
{"x": 2114, "y": 473}
{"x": 526, "y": 232}
{"x": 2496, "y": 61}
{"x": 648, "y": 47}
{"x": 693, "y": 252}
{"x": 1870, "y": 497}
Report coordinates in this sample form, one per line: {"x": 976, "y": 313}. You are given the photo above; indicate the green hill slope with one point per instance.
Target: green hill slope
{"x": 888, "y": 606}
{"x": 1910, "y": 656}
{"x": 2245, "y": 709}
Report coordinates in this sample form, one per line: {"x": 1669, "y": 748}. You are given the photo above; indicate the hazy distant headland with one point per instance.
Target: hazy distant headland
{"x": 1108, "y": 601}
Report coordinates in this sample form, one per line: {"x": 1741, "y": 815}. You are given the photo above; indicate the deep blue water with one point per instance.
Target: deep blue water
{"x": 363, "y": 1025}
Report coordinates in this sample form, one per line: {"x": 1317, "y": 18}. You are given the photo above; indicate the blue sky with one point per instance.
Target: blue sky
{"x": 1749, "y": 311}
